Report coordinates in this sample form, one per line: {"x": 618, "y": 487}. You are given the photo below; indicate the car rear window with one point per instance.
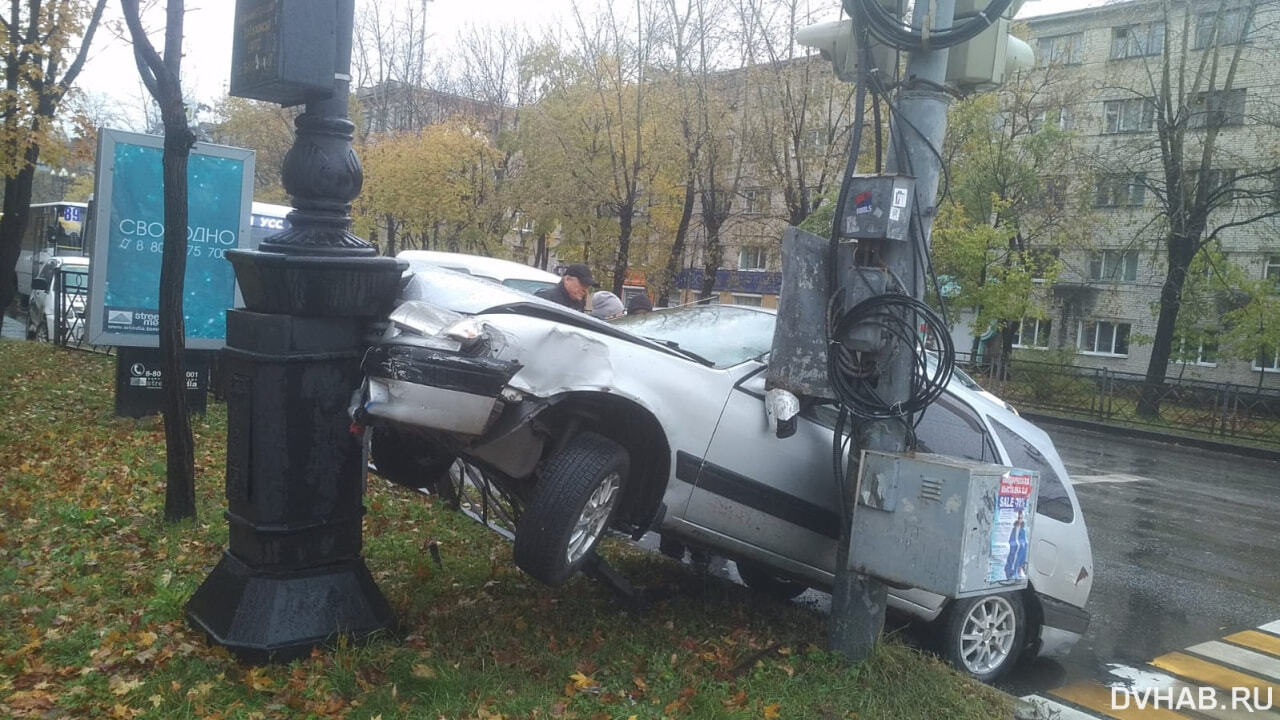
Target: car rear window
{"x": 1053, "y": 501}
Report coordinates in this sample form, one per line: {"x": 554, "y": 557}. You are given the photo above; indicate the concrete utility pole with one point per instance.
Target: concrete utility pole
{"x": 858, "y": 601}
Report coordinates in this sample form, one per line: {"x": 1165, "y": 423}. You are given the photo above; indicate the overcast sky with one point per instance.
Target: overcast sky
{"x": 207, "y": 46}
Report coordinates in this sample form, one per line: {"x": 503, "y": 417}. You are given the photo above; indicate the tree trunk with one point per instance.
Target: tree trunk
{"x": 540, "y": 258}
{"x": 17, "y": 211}
{"x": 391, "y": 236}
{"x": 624, "y": 248}
{"x": 677, "y": 247}
{"x": 712, "y": 259}
{"x": 179, "y": 496}
{"x": 1181, "y": 250}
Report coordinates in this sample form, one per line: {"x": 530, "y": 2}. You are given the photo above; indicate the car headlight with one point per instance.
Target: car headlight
{"x": 466, "y": 331}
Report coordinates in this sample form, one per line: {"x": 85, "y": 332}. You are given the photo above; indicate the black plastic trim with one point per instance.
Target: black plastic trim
{"x": 757, "y": 496}
{"x": 433, "y": 368}
{"x": 1063, "y": 616}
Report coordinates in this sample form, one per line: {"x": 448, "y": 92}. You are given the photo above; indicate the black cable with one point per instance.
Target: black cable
{"x": 891, "y": 30}
{"x": 892, "y": 319}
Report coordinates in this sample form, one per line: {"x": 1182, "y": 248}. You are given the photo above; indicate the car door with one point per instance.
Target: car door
{"x": 779, "y": 495}
{"x": 757, "y": 492}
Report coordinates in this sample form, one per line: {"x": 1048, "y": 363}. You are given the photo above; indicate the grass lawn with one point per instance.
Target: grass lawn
{"x": 93, "y": 582}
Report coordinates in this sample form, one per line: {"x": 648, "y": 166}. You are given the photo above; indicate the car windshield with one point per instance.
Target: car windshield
{"x": 723, "y": 334}
{"x": 74, "y": 279}
{"x": 529, "y": 286}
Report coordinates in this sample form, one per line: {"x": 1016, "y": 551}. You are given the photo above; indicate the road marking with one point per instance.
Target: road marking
{"x": 1271, "y": 627}
{"x": 1255, "y": 640}
{"x": 1107, "y": 478}
{"x": 1137, "y": 680}
{"x": 1256, "y": 663}
{"x": 1207, "y": 673}
{"x": 1099, "y": 699}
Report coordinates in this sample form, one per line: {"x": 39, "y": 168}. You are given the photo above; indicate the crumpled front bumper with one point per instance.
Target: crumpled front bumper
{"x": 434, "y": 389}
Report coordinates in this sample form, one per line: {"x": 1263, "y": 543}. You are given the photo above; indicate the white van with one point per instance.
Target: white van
{"x": 66, "y": 278}
{"x": 504, "y": 272}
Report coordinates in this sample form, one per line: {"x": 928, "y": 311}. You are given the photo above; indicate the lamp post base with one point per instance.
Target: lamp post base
{"x": 264, "y": 617}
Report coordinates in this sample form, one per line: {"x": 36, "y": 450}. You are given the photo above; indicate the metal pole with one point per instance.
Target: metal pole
{"x": 293, "y": 576}
{"x": 915, "y": 148}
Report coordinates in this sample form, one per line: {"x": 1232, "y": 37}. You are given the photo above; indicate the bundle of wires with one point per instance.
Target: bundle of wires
{"x": 889, "y": 29}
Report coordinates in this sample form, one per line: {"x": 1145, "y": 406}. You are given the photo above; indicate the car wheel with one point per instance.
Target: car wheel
{"x": 762, "y": 580}
{"x": 575, "y": 500}
{"x": 983, "y": 636}
{"x": 42, "y": 333}
{"x": 409, "y": 461}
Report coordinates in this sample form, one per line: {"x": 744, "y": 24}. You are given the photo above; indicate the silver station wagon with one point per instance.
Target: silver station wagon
{"x": 657, "y": 422}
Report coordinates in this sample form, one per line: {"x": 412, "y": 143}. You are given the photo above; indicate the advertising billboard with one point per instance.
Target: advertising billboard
{"x": 124, "y": 282}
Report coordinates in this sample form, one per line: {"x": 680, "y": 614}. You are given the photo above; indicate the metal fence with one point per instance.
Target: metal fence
{"x": 1223, "y": 411}
{"x": 70, "y": 322}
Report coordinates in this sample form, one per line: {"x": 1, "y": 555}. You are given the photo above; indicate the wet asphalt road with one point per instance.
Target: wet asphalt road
{"x": 1185, "y": 551}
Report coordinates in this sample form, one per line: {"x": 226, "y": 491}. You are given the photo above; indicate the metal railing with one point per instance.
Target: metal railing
{"x": 70, "y": 321}
{"x": 1218, "y": 410}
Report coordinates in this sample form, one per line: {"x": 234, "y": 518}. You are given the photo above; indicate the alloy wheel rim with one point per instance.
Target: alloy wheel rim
{"x": 594, "y": 517}
{"x": 986, "y": 637}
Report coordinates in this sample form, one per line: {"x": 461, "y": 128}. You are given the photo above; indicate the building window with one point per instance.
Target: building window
{"x": 1103, "y": 337}
{"x": 1126, "y": 116}
{"x": 1032, "y": 333}
{"x": 1053, "y": 193}
{"x": 756, "y": 201}
{"x": 1232, "y": 29}
{"x": 751, "y": 257}
{"x": 1217, "y": 109}
{"x": 1216, "y": 181}
{"x": 1114, "y": 265}
{"x": 1042, "y": 262}
{"x": 1060, "y": 117}
{"x": 1137, "y": 40}
{"x": 752, "y": 300}
{"x": 1061, "y": 49}
{"x": 1120, "y": 190}
{"x": 1267, "y": 359}
{"x": 1190, "y": 352}
{"x": 1272, "y": 273}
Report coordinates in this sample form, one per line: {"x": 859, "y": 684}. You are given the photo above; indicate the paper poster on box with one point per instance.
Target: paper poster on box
{"x": 1010, "y": 532}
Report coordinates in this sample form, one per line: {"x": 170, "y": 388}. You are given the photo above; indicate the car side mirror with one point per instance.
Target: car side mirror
{"x": 40, "y": 284}
{"x": 780, "y": 410}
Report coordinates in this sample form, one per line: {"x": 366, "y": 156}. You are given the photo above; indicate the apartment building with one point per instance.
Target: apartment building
{"x": 1104, "y": 303}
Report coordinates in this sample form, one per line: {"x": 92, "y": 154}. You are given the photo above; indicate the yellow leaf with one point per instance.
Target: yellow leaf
{"x": 771, "y": 711}
{"x": 582, "y": 682}
{"x": 146, "y": 639}
{"x": 424, "y": 671}
{"x": 156, "y": 700}
{"x": 121, "y": 687}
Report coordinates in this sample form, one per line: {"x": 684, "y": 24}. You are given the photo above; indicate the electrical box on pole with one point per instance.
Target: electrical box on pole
{"x": 953, "y": 527}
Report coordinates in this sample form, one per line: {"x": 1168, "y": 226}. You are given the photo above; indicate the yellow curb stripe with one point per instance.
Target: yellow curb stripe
{"x": 1208, "y": 673}
{"x": 1098, "y": 699}
{"x": 1254, "y": 640}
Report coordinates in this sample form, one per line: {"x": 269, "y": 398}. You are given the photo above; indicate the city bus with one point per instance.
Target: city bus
{"x": 53, "y": 230}
{"x": 267, "y": 220}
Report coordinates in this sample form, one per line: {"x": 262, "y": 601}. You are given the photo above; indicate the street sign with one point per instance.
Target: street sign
{"x": 284, "y": 51}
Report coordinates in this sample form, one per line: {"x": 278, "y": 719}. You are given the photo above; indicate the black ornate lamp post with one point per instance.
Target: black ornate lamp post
{"x": 293, "y": 576}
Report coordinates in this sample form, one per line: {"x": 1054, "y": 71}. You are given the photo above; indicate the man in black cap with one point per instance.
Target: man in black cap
{"x": 572, "y": 290}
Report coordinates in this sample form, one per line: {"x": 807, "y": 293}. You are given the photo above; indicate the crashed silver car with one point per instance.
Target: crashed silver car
{"x": 657, "y": 422}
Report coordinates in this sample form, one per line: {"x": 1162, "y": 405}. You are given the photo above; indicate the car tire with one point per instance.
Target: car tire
{"x": 762, "y": 580}
{"x": 577, "y": 495}
{"x": 984, "y": 636}
{"x": 409, "y": 461}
